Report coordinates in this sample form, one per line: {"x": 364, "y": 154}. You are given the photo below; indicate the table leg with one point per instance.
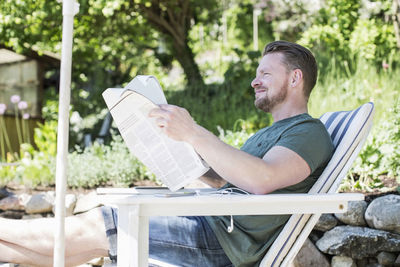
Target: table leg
{"x": 133, "y": 237}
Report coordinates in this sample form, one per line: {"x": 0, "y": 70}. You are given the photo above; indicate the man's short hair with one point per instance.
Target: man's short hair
{"x": 296, "y": 57}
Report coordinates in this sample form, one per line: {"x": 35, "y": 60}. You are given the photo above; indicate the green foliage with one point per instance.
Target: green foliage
{"x": 97, "y": 165}
{"x": 341, "y": 15}
{"x": 382, "y": 153}
{"x": 27, "y": 24}
{"x": 38, "y": 166}
{"x": 45, "y": 137}
{"x": 341, "y": 35}
{"x": 326, "y": 42}
{"x": 289, "y": 19}
{"x": 35, "y": 168}
{"x": 373, "y": 41}
{"x": 235, "y": 138}
{"x": 100, "y": 165}
{"x": 7, "y": 173}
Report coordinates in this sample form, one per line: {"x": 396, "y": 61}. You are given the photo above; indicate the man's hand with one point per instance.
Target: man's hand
{"x": 175, "y": 121}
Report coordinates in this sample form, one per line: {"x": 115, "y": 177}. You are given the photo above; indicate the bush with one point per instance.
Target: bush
{"x": 100, "y": 165}
{"x": 97, "y": 165}
{"x": 381, "y": 155}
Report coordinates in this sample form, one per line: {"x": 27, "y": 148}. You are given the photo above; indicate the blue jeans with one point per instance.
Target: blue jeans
{"x": 183, "y": 241}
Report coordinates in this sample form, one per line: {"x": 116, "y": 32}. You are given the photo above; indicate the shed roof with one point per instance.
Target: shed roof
{"x": 7, "y": 56}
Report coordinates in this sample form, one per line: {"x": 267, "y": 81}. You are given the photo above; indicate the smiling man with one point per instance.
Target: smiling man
{"x": 286, "y": 157}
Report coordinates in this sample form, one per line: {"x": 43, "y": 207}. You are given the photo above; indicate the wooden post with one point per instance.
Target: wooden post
{"x": 256, "y": 13}
{"x": 70, "y": 8}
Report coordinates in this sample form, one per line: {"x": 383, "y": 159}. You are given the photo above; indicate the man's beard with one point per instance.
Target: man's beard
{"x": 266, "y": 104}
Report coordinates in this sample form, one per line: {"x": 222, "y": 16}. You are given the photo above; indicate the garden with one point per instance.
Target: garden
{"x": 204, "y": 53}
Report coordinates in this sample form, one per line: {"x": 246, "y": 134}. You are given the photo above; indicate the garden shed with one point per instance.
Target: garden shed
{"x": 22, "y": 84}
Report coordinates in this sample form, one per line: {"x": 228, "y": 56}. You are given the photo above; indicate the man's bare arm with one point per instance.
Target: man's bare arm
{"x": 213, "y": 179}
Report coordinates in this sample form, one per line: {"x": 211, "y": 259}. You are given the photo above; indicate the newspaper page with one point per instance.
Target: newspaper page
{"x": 174, "y": 163}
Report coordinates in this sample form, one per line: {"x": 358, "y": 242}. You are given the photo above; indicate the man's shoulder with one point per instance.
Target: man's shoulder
{"x": 304, "y": 122}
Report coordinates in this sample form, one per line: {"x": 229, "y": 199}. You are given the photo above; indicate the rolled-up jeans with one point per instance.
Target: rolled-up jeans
{"x": 178, "y": 240}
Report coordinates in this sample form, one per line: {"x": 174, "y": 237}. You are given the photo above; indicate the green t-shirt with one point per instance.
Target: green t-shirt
{"x": 253, "y": 235}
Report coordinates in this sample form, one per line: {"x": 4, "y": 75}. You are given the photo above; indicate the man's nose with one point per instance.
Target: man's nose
{"x": 255, "y": 83}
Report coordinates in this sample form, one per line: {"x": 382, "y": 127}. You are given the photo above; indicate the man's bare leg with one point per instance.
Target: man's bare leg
{"x": 10, "y": 252}
{"x": 85, "y": 238}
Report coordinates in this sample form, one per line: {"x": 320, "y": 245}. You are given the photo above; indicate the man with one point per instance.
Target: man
{"x": 286, "y": 157}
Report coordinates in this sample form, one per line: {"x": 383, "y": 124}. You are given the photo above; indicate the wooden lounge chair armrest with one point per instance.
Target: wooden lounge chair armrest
{"x": 236, "y": 204}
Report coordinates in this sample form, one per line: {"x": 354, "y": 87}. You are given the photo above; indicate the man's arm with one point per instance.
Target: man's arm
{"x": 213, "y": 179}
{"x": 280, "y": 167}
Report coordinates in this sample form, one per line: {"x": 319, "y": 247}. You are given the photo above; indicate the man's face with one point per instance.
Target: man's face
{"x": 271, "y": 82}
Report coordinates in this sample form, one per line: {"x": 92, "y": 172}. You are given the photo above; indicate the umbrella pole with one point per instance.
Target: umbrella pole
{"x": 70, "y": 8}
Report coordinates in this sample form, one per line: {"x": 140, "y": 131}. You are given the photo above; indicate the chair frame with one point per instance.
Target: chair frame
{"x": 134, "y": 210}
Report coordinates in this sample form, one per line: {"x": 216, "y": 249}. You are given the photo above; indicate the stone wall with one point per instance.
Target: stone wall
{"x": 367, "y": 235}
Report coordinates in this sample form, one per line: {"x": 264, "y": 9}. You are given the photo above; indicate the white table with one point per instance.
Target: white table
{"x": 134, "y": 212}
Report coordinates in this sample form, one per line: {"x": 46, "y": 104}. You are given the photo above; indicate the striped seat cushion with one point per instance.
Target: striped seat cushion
{"x": 348, "y": 130}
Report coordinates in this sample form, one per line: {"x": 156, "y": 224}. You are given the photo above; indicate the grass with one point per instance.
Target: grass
{"x": 337, "y": 91}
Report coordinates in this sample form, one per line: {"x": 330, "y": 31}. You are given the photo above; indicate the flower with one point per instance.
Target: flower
{"x": 22, "y": 105}
{"x": 3, "y": 108}
{"x": 15, "y": 99}
{"x": 385, "y": 65}
{"x": 25, "y": 116}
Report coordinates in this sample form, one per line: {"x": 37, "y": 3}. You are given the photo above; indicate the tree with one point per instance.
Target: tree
{"x": 113, "y": 40}
{"x": 174, "y": 19}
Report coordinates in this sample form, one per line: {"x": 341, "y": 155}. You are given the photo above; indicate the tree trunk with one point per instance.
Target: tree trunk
{"x": 173, "y": 20}
{"x": 183, "y": 53}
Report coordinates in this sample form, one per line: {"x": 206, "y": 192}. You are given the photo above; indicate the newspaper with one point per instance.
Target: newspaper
{"x": 174, "y": 163}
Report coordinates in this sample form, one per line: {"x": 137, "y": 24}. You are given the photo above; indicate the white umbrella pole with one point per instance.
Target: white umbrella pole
{"x": 70, "y": 8}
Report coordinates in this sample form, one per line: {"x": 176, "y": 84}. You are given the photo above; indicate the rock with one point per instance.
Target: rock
{"x": 70, "y": 203}
{"x": 14, "y": 202}
{"x": 386, "y": 258}
{"x": 310, "y": 256}
{"x": 358, "y": 242}
{"x": 354, "y": 214}
{"x": 40, "y": 203}
{"x": 362, "y": 262}
{"x": 325, "y": 223}
{"x": 342, "y": 261}
{"x": 384, "y": 213}
{"x": 12, "y": 214}
{"x": 314, "y": 236}
{"x": 397, "y": 262}
{"x": 87, "y": 202}
{"x": 4, "y": 193}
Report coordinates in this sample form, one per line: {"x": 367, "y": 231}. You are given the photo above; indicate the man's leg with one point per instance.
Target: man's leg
{"x": 181, "y": 241}
{"x": 10, "y": 252}
{"x": 85, "y": 239}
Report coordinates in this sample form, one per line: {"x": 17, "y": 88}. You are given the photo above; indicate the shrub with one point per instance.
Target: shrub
{"x": 100, "y": 165}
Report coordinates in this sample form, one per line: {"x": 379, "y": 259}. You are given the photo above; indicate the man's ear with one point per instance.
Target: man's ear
{"x": 297, "y": 77}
